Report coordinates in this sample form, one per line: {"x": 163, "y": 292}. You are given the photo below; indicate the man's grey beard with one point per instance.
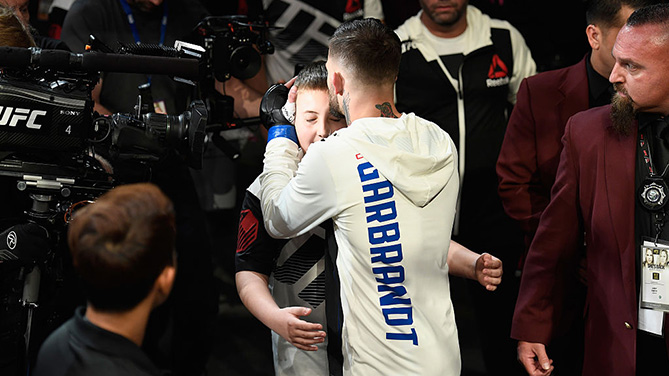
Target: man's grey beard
{"x": 623, "y": 114}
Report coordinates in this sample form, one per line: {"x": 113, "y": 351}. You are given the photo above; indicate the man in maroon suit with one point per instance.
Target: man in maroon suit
{"x": 595, "y": 200}
{"x": 530, "y": 152}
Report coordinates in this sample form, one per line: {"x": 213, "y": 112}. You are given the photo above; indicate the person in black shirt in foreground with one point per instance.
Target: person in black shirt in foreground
{"x": 123, "y": 250}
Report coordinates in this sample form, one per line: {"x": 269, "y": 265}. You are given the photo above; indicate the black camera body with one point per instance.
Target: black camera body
{"x": 56, "y": 155}
{"x": 47, "y": 118}
{"x": 37, "y": 117}
{"x": 229, "y": 42}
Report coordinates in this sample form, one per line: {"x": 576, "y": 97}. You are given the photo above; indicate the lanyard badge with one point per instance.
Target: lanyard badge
{"x": 655, "y": 275}
{"x": 654, "y": 289}
{"x": 653, "y": 193}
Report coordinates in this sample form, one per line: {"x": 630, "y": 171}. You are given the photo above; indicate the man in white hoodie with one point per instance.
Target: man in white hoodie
{"x": 461, "y": 69}
{"x": 390, "y": 183}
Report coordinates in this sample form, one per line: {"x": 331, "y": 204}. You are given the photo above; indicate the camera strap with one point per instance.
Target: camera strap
{"x": 133, "y": 25}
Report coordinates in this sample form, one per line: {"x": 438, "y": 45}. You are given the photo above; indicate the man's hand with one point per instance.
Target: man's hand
{"x": 271, "y": 104}
{"x": 534, "y": 358}
{"x": 301, "y": 334}
{"x": 489, "y": 271}
{"x": 277, "y": 106}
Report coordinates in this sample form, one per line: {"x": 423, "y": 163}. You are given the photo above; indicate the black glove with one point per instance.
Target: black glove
{"x": 270, "y": 106}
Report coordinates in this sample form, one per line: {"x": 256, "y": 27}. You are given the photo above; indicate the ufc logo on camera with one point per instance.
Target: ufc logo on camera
{"x": 18, "y": 118}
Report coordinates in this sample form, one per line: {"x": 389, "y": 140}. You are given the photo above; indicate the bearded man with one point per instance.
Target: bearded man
{"x": 610, "y": 193}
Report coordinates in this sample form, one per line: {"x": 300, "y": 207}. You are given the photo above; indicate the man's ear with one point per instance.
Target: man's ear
{"x": 594, "y": 34}
{"x": 164, "y": 283}
{"x": 338, "y": 83}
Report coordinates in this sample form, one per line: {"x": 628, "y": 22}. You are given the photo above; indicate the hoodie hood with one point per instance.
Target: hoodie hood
{"x": 415, "y": 155}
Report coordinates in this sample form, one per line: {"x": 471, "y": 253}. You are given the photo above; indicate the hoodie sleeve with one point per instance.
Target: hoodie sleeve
{"x": 523, "y": 64}
{"x": 295, "y": 196}
{"x": 373, "y": 9}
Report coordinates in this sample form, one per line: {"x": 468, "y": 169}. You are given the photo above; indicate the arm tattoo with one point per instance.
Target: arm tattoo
{"x": 386, "y": 110}
{"x": 347, "y": 100}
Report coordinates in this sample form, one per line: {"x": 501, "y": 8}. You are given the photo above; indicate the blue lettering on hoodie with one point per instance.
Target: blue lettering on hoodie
{"x": 386, "y": 254}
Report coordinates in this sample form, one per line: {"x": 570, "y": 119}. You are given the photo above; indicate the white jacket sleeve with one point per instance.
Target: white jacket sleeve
{"x": 295, "y": 200}
{"x": 523, "y": 64}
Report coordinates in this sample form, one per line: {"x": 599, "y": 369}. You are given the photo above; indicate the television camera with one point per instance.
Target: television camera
{"x": 232, "y": 47}
{"x": 61, "y": 154}
{"x": 58, "y": 154}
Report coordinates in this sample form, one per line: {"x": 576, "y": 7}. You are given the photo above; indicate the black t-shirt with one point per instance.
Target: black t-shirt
{"x": 257, "y": 251}
{"x": 80, "y": 348}
{"x": 107, "y": 21}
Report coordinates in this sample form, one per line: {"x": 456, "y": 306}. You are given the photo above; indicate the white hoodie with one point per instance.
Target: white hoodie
{"x": 390, "y": 186}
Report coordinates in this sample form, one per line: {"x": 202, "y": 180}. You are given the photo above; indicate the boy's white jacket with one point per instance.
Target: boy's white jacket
{"x": 392, "y": 242}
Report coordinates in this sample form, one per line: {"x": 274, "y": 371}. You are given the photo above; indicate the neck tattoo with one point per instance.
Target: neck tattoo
{"x": 386, "y": 110}
{"x": 347, "y": 101}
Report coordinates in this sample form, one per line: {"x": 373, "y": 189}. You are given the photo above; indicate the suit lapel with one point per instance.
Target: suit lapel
{"x": 573, "y": 88}
{"x": 620, "y": 161}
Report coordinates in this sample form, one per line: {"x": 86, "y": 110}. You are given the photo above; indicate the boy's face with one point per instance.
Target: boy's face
{"x": 313, "y": 121}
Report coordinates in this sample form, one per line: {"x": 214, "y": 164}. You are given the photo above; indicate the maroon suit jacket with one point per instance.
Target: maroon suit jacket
{"x": 530, "y": 152}
{"x": 593, "y": 193}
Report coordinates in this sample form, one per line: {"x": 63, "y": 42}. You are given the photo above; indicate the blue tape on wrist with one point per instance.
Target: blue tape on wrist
{"x": 285, "y": 131}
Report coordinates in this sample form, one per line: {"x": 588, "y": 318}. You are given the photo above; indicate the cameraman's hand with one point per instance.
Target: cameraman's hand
{"x": 301, "y": 334}
{"x": 278, "y": 105}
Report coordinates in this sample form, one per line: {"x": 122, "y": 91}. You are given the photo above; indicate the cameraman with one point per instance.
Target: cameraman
{"x": 122, "y": 247}
{"x": 184, "y": 322}
{"x": 132, "y": 21}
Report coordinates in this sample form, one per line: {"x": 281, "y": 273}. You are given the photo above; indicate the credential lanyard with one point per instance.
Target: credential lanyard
{"x": 133, "y": 25}
{"x": 645, "y": 150}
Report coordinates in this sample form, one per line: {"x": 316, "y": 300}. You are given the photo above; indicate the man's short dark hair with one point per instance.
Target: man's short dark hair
{"x": 368, "y": 49}
{"x": 657, "y": 14}
{"x": 121, "y": 243}
{"x": 605, "y": 12}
